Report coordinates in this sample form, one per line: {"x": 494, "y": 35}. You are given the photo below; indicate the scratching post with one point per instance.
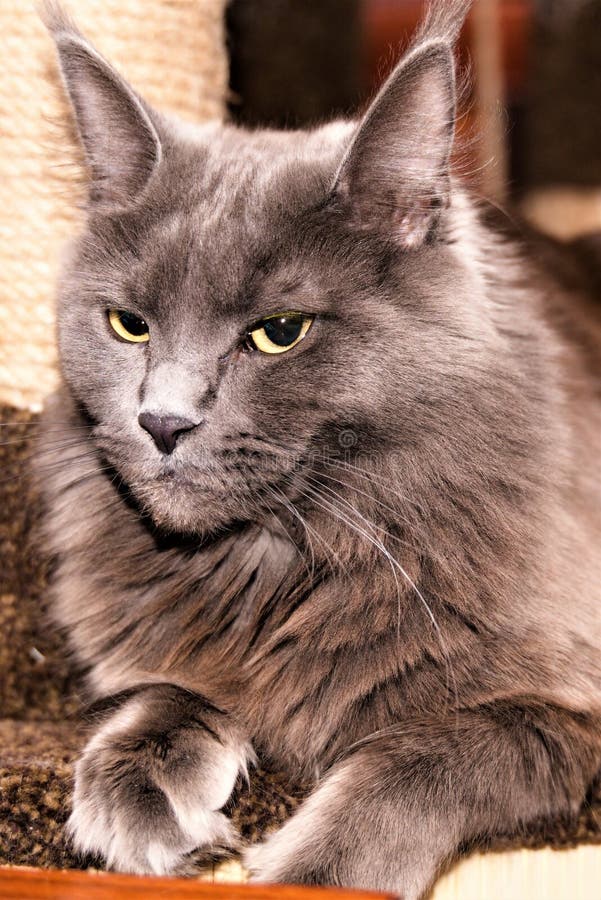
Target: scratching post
{"x": 172, "y": 52}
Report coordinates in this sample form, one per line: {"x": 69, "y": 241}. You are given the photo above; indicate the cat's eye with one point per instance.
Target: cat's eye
{"x": 280, "y": 332}
{"x": 128, "y": 326}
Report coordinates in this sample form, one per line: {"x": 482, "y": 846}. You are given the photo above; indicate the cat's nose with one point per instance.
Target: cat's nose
{"x": 165, "y": 430}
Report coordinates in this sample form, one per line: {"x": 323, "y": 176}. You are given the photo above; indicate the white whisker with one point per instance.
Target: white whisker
{"x": 376, "y": 542}
{"x": 331, "y": 553}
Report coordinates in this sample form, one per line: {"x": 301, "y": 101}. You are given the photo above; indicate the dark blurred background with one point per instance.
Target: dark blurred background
{"x": 535, "y": 66}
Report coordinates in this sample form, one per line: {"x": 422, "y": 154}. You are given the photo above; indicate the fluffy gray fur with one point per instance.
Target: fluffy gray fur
{"x": 373, "y": 559}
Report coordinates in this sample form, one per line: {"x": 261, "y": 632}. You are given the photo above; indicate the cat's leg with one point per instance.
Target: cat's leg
{"x": 152, "y": 780}
{"x": 405, "y": 800}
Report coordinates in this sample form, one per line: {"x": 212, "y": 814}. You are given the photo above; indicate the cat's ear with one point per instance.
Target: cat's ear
{"x": 395, "y": 175}
{"x": 120, "y": 142}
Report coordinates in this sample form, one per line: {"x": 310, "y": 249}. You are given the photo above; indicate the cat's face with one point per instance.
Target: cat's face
{"x": 258, "y": 303}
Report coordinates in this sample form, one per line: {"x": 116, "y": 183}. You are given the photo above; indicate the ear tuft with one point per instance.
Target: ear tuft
{"x": 395, "y": 176}
{"x": 120, "y": 141}
{"x": 443, "y": 21}
{"x": 56, "y": 18}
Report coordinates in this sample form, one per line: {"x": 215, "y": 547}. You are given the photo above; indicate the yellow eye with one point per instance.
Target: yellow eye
{"x": 280, "y": 332}
{"x": 128, "y": 326}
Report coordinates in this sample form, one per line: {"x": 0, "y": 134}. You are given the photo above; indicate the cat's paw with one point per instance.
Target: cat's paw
{"x": 290, "y": 857}
{"x": 144, "y": 799}
{"x": 264, "y": 868}
{"x": 272, "y": 863}
{"x": 312, "y": 846}
{"x": 145, "y": 835}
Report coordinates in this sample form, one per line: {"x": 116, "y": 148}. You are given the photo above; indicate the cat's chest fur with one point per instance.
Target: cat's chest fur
{"x": 311, "y": 658}
{"x": 304, "y": 654}
{"x": 139, "y": 606}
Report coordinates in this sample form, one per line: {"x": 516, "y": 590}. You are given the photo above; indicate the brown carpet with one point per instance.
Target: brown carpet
{"x": 39, "y": 731}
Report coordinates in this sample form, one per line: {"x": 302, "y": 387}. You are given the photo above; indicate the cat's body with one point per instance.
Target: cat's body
{"x": 388, "y": 535}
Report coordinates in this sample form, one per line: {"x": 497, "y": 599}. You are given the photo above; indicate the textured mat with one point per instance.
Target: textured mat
{"x": 36, "y": 769}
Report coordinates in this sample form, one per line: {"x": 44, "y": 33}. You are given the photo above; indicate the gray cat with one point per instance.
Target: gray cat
{"x": 322, "y": 486}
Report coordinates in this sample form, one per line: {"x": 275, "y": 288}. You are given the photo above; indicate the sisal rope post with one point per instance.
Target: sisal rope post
{"x": 172, "y": 52}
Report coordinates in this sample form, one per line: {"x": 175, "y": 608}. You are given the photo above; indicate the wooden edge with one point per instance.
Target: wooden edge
{"x": 17, "y": 883}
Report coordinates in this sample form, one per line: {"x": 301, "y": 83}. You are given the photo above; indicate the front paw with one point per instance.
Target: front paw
{"x": 145, "y": 799}
{"x": 287, "y": 858}
{"x": 265, "y": 868}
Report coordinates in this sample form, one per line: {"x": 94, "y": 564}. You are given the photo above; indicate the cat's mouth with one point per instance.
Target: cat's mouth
{"x": 204, "y": 480}
{"x": 204, "y": 496}
{"x": 177, "y": 480}
{"x": 199, "y": 503}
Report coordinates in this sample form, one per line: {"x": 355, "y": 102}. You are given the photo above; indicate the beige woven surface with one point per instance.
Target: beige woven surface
{"x": 545, "y": 874}
{"x": 172, "y": 51}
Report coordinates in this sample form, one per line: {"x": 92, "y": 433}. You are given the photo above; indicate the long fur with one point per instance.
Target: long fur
{"x": 374, "y": 558}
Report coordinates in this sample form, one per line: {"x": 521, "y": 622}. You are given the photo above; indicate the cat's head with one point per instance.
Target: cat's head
{"x": 243, "y": 307}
